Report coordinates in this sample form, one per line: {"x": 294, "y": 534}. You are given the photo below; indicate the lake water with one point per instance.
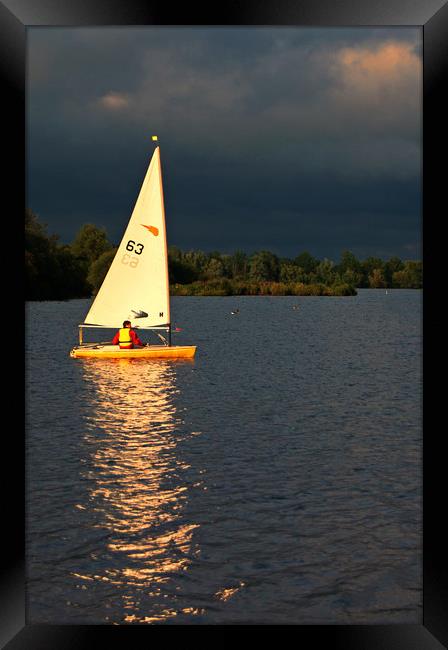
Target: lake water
{"x": 275, "y": 479}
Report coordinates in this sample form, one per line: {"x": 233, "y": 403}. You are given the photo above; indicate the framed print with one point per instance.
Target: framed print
{"x": 229, "y": 506}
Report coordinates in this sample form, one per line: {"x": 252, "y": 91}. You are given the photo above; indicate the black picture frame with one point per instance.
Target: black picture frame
{"x": 432, "y": 16}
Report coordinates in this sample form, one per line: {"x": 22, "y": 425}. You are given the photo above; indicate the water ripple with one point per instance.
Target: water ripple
{"x": 277, "y": 478}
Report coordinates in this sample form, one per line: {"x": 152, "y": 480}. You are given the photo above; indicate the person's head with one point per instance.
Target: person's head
{"x": 126, "y": 323}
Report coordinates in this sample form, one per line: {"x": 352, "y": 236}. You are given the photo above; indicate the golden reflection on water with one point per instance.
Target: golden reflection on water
{"x": 139, "y": 489}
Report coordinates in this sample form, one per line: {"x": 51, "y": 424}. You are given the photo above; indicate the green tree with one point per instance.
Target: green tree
{"x": 197, "y": 260}
{"x": 393, "y": 265}
{"x": 99, "y": 268}
{"x": 325, "y": 272}
{"x": 377, "y": 279}
{"x": 352, "y": 277}
{"x": 174, "y": 253}
{"x": 264, "y": 265}
{"x": 39, "y": 258}
{"x": 410, "y": 277}
{"x": 290, "y": 272}
{"x": 350, "y": 267}
{"x": 239, "y": 265}
{"x": 180, "y": 271}
{"x": 51, "y": 270}
{"x": 368, "y": 266}
{"x": 214, "y": 269}
{"x": 89, "y": 244}
{"x": 372, "y": 263}
{"x": 71, "y": 279}
{"x": 307, "y": 262}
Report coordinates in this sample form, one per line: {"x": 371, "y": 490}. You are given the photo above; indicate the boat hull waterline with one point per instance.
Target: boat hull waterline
{"x": 148, "y": 352}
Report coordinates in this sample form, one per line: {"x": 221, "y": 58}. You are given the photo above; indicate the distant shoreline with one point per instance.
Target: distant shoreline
{"x": 57, "y": 271}
{"x": 228, "y": 288}
{"x": 248, "y": 295}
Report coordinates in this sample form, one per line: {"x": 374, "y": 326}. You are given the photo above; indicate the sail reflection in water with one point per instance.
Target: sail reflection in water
{"x": 139, "y": 489}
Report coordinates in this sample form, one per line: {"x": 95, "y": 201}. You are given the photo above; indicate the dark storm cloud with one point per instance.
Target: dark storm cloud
{"x": 282, "y": 139}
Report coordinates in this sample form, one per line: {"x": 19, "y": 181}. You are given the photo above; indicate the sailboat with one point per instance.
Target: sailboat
{"x": 136, "y": 287}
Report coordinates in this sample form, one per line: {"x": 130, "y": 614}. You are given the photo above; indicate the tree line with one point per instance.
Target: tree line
{"x": 56, "y": 271}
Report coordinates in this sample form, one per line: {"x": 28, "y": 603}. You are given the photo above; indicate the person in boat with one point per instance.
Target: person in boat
{"x": 126, "y": 338}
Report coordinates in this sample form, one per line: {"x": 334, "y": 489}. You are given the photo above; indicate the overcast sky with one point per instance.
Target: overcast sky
{"x": 284, "y": 139}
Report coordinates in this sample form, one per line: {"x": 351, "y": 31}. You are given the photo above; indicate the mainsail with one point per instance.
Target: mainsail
{"x": 136, "y": 287}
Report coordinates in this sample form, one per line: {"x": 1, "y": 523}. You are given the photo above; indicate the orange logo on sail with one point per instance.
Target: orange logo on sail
{"x": 153, "y": 229}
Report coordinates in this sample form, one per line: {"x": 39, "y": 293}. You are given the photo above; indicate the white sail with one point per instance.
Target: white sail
{"x": 136, "y": 287}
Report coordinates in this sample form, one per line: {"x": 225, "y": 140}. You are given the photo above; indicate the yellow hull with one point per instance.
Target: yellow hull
{"x": 149, "y": 352}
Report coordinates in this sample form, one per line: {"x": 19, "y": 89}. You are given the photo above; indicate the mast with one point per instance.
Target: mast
{"x": 155, "y": 138}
